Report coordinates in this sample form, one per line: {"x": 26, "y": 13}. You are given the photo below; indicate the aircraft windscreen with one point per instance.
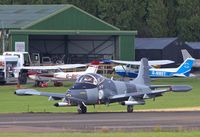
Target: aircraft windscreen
{"x": 90, "y": 78}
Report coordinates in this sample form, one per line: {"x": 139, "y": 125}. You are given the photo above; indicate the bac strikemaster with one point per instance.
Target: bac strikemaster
{"x": 92, "y": 89}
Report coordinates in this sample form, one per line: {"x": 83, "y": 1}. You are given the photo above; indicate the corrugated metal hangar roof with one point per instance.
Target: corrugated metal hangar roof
{"x": 18, "y": 16}
{"x": 193, "y": 45}
{"x": 153, "y": 43}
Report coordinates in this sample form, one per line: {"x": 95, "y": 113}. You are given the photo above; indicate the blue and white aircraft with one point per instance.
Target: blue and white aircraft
{"x": 131, "y": 69}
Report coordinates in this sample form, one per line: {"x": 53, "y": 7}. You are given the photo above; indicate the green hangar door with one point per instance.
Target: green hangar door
{"x": 73, "y": 48}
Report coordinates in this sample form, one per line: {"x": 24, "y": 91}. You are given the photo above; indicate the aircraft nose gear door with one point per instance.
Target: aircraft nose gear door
{"x": 101, "y": 94}
{"x": 82, "y": 108}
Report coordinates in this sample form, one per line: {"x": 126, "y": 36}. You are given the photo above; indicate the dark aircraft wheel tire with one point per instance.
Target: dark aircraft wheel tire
{"x": 129, "y": 108}
{"x": 82, "y": 109}
{"x": 37, "y": 83}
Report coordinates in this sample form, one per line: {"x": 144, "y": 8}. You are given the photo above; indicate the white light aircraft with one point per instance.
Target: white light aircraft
{"x": 23, "y": 71}
{"x": 130, "y": 69}
{"x": 63, "y": 76}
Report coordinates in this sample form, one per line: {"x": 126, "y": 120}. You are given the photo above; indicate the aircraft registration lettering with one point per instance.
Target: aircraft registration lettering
{"x": 158, "y": 73}
{"x": 68, "y": 76}
{"x": 74, "y": 76}
{"x": 71, "y": 76}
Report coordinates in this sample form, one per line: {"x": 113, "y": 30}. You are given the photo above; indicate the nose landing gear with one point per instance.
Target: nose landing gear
{"x": 82, "y": 108}
{"x": 130, "y": 108}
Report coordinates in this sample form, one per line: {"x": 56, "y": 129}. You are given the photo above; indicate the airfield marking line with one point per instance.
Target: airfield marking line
{"x": 138, "y": 126}
{"x": 170, "y": 109}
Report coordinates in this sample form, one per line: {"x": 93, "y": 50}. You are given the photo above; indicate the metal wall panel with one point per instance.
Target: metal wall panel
{"x": 126, "y": 48}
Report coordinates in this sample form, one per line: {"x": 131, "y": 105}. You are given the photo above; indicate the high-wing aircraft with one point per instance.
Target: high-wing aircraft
{"x": 151, "y": 63}
{"x": 19, "y": 70}
{"x": 60, "y": 76}
{"x": 186, "y": 55}
{"x": 92, "y": 89}
{"x": 130, "y": 70}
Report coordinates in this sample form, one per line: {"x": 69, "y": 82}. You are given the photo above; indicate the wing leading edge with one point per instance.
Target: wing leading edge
{"x": 24, "y": 92}
{"x": 151, "y": 63}
{"x": 66, "y": 66}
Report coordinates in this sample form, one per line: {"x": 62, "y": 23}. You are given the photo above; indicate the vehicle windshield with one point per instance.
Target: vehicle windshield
{"x": 26, "y": 60}
{"x": 90, "y": 78}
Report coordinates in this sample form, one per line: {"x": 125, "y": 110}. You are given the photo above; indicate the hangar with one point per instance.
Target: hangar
{"x": 193, "y": 48}
{"x": 63, "y": 32}
{"x": 159, "y": 49}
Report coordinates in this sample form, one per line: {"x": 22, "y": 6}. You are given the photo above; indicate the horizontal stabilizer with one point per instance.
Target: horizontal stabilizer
{"x": 179, "y": 75}
{"x": 180, "y": 88}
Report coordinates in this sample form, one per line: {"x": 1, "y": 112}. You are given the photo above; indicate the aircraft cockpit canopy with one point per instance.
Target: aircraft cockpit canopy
{"x": 91, "y": 78}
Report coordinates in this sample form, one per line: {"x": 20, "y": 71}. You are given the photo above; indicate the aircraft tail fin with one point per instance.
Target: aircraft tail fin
{"x": 92, "y": 69}
{"x": 186, "y": 67}
{"x": 143, "y": 75}
{"x": 185, "y": 54}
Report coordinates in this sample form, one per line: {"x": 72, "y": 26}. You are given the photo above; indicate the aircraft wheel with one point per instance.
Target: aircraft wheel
{"x": 130, "y": 108}
{"x": 37, "y": 83}
{"x": 82, "y": 109}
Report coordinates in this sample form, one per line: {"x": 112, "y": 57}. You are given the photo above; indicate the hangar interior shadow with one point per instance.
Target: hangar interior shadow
{"x": 73, "y": 48}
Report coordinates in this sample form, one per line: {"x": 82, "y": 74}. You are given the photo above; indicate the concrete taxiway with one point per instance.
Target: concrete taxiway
{"x": 63, "y": 122}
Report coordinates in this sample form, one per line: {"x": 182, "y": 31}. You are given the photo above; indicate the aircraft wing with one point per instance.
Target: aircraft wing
{"x": 66, "y": 66}
{"x": 155, "y": 92}
{"x": 139, "y": 94}
{"x": 151, "y": 63}
{"x": 24, "y": 92}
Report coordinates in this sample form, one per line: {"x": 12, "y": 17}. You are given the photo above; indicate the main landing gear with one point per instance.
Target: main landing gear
{"x": 130, "y": 108}
{"x": 82, "y": 108}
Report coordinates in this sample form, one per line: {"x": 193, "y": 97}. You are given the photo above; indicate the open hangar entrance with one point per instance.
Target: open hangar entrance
{"x": 74, "y": 48}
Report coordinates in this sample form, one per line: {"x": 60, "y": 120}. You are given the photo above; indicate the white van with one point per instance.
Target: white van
{"x": 7, "y": 72}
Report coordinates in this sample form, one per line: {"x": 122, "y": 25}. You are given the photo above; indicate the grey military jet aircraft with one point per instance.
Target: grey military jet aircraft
{"x": 92, "y": 89}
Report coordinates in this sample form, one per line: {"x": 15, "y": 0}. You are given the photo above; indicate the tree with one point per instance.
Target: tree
{"x": 151, "y": 18}
{"x": 188, "y": 20}
{"x": 157, "y": 18}
{"x": 172, "y": 16}
{"x": 189, "y": 30}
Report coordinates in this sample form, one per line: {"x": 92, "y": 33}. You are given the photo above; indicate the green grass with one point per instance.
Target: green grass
{"x": 117, "y": 134}
{"x": 11, "y": 103}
